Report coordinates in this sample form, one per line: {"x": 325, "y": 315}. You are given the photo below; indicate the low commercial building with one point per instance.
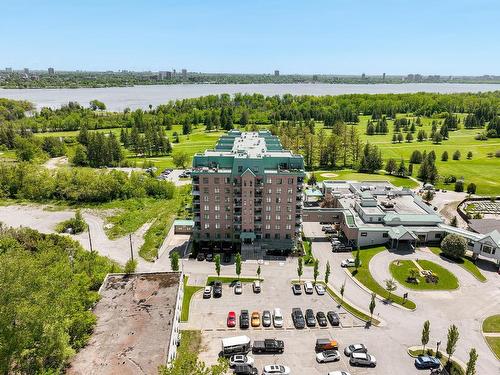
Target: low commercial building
{"x": 137, "y": 325}
{"x": 376, "y": 212}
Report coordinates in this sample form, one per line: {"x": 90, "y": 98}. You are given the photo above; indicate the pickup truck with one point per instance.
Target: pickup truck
{"x": 268, "y": 346}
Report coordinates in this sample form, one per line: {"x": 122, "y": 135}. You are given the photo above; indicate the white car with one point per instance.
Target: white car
{"x": 240, "y": 359}
{"x": 308, "y": 287}
{"x": 328, "y": 356}
{"x": 338, "y": 373}
{"x": 362, "y": 359}
{"x": 355, "y": 348}
{"x": 275, "y": 370}
{"x": 277, "y": 318}
{"x": 238, "y": 289}
{"x": 320, "y": 289}
{"x": 348, "y": 263}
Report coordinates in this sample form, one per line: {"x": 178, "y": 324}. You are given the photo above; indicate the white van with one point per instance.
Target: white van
{"x": 277, "y": 318}
{"x": 308, "y": 287}
{"x": 235, "y": 345}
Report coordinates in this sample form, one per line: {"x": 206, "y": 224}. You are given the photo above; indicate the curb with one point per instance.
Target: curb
{"x": 485, "y": 334}
{"x": 380, "y": 298}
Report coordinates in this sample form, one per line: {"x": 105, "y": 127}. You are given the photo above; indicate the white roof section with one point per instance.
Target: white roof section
{"x": 236, "y": 340}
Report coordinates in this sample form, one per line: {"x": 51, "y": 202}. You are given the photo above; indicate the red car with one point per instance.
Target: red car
{"x": 231, "y": 319}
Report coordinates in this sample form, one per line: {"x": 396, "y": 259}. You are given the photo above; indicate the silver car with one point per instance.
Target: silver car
{"x": 238, "y": 289}
{"x": 362, "y": 359}
{"x": 266, "y": 318}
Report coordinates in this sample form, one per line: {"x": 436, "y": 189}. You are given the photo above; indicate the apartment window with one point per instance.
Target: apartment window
{"x": 289, "y": 217}
{"x": 217, "y": 225}
{"x": 244, "y": 183}
{"x": 226, "y": 216}
{"x": 228, "y": 235}
{"x": 228, "y": 226}
{"x": 289, "y": 190}
{"x": 206, "y": 216}
{"x": 227, "y": 209}
{"x": 205, "y": 198}
{"x": 288, "y": 227}
{"x": 227, "y": 199}
{"x": 207, "y": 207}
{"x": 278, "y": 200}
{"x": 385, "y": 234}
{"x": 364, "y": 234}
{"x": 217, "y": 207}
{"x": 228, "y": 191}
{"x": 227, "y": 180}
{"x": 269, "y": 180}
{"x": 240, "y": 168}
{"x": 488, "y": 249}
{"x": 217, "y": 198}
{"x": 278, "y": 217}
{"x": 268, "y": 217}
{"x": 438, "y": 235}
{"x": 278, "y": 190}
{"x": 207, "y": 225}
{"x": 287, "y": 236}
{"x": 216, "y": 180}
{"x": 278, "y": 208}
{"x": 216, "y": 190}
{"x": 276, "y": 236}
{"x": 217, "y": 216}
{"x": 277, "y": 227}
{"x": 280, "y": 181}
{"x": 269, "y": 191}
{"x": 289, "y": 200}
{"x": 217, "y": 236}
{"x": 251, "y": 183}
{"x": 267, "y": 235}
{"x": 268, "y": 199}
{"x": 290, "y": 181}
{"x": 205, "y": 180}
{"x": 268, "y": 226}
{"x": 268, "y": 208}
{"x": 205, "y": 190}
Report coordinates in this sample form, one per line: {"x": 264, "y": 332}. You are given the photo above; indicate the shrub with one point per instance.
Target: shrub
{"x": 454, "y": 246}
{"x": 459, "y": 186}
{"x": 469, "y": 155}
{"x": 481, "y": 137}
{"x": 450, "y": 179}
{"x": 457, "y": 155}
{"x": 444, "y": 156}
{"x": 77, "y": 224}
{"x": 471, "y": 188}
{"x": 130, "y": 266}
{"x": 497, "y": 153}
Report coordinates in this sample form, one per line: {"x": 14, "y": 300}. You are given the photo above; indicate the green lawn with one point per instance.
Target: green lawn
{"x": 230, "y": 280}
{"x": 189, "y": 290}
{"x": 492, "y": 324}
{"x": 363, "y": 275}
{"x": 350, "y": 174}
{"x": 465, "y": 262}
{"x": 400, "y": 270}
{"x": 494, "y": 343}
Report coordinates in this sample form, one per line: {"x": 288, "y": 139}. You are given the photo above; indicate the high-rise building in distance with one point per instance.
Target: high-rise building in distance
{"x": 51, "y": 71}
{"x": 276, "y": 73}
{"x": 248, "y": 190}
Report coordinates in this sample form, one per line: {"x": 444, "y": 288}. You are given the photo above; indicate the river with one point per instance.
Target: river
{"x": 119, "y": 98}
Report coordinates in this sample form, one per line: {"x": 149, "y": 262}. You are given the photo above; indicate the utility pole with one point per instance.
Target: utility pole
{"x": 90, "y": 241}
{"x": 131, "y": 249}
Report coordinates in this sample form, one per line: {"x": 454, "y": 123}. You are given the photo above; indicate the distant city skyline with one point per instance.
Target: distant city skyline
{"x": 325, "y": 37}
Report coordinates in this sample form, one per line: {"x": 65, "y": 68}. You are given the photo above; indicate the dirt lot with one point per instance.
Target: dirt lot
{"x": 134, "y": 324}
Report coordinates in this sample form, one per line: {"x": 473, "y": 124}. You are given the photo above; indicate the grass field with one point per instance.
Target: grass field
{"x": 349, "y": 174}
{"x": 189, "y": 290}
{"x": 363, "y": 275}
{"x": 494, "y": 343}
{"x": 400, "y": 270}
{"x": 492, "y": 324}
{"x": 465, "y": 262}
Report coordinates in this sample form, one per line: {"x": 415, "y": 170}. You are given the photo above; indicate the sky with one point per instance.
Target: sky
{"x": 255, "y": 36}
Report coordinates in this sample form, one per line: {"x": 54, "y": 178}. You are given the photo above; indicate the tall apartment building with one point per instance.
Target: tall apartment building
{"x": 247, "y": 190}
{"x": 51, "y": 71}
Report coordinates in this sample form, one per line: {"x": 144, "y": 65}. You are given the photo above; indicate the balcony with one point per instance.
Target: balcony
{"x": 196, "y": 193}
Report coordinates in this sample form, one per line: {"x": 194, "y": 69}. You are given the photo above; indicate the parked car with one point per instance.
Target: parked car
{"x": 427, "y": 362}
{"x": 217, "y": 290}
{"x": 321, "y": 318}
{"x": 298, "y": 318}
{"x": 245, "y": 370}
{"x": 349, "y": 263}
{"x": 333, "y": 318}
{"x": 277, "y": 318}
{"x": 320, "y": 289}
{"x": 330, "y": 230}
{"x": 226, "y": 258}
{"x": 310, "y": 319}
{"x": 271, "y": 346}
{"x": 308, "y": 287}
{"x": 209, "y": 257}
{"x": 297, "y": 290}
{"x": 244, "y": 319}
{"x": 200, "y": 256}
{"x": 266, "y": 318}
{"x": 338, "y": 373}
{"x": 328, "y": 356}
{"x": 255, "y": 319}
{"x": 256, "y": 286}
{"x": 207, "y": 292}
{"x": 326, "y": 344}
{"x": 355, "y": 348}
{"x": 231, "y": 319}
{"x": 240, "y": 359}
{"x": 362, "y": 359}
{"x": 275, "y": 370}
{"x": 326, "y": 227}
{"x": 238, "y": 289}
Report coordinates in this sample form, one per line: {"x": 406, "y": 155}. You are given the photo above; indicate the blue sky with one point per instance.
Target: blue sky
{"x": 314, "y": 36}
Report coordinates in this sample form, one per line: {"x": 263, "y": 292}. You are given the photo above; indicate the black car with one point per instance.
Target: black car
{"x": 298, "y": 318}
{"x": 296, "y": 289}
{"x": 217, "y": 289}
{"x": 310, "y": 319}
{"x": 321, "y": 318}
{"x": 226, "y": 258}
{"x": 333, "y": 318}
{"x": 244, "y": 319}
{"x": 245, "y": 370}
{"x": 200, "y": 256}
{"x": 209, "y": 257}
